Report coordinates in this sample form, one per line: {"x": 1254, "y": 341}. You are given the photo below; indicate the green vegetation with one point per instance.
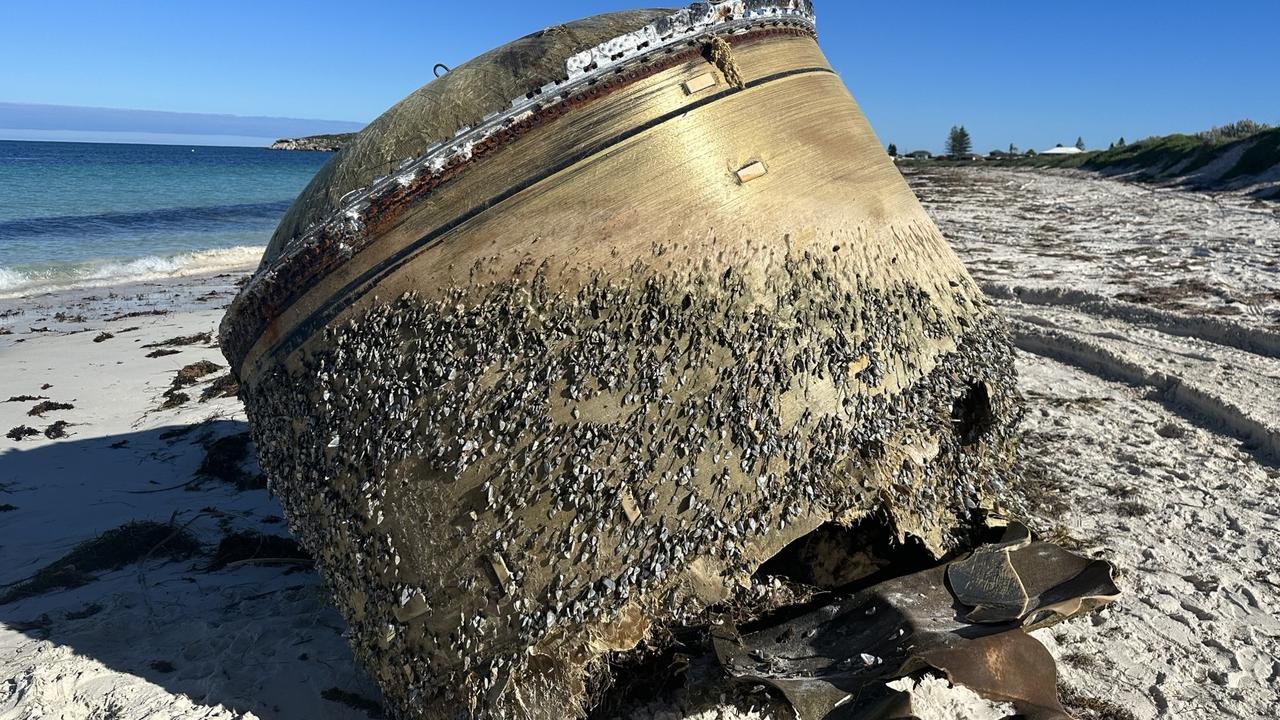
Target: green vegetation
{"x": 1243, "y": 154}
{"x": 1184, "y": 159}
{"x": 1153, "y": 154}
{"x": 1181, "y": 156}
{"x": 1235, "y": 131}
{"x": 1264, "y": 155}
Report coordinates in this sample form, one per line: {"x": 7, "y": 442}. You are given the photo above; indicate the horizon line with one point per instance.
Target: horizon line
{"x": 18, "y": 103}
{"x": 143, "y": 138}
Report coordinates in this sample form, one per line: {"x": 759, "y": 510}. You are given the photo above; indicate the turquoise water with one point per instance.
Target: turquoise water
{"x": 86, "y": 214}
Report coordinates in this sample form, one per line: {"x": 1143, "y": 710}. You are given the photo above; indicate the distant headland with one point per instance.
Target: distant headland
{"x": 321, "y": 143}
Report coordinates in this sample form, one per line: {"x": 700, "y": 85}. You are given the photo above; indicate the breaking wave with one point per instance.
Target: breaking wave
{"x": 24, "y": 280}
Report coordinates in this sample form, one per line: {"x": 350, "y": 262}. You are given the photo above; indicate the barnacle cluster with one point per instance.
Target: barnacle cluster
{"x": 505, "y": 480}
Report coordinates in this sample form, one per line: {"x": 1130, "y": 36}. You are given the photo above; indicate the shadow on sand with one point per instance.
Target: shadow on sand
{"x": 251, "y": 636}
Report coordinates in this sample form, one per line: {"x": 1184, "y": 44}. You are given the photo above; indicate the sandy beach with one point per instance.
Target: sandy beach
{"x": 168, "y": 635}
{"x": 1149, "y": 327}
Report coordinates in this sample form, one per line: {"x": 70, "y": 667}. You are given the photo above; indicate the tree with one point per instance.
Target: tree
{"x": 1120, "y": 143}
{"x": 1080, "y": 143}
{"x": 1013, "y": 149}
{"x": 893, "y": 150}
{"x": 959, "y": 143}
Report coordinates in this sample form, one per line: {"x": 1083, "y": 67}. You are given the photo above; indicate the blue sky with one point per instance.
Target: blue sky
{"x": 1030, "y": 73}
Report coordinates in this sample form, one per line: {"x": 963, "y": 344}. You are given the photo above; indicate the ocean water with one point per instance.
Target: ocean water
{"x": 83, "y": 214}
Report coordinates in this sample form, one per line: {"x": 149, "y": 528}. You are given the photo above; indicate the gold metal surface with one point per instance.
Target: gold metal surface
{"x": 706, "y": 81}
{"x": 771, "y": 207}
{"x": 826, "y": 171}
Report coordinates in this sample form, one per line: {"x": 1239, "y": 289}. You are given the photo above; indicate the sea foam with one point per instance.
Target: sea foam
{"x": 26, "y": 280}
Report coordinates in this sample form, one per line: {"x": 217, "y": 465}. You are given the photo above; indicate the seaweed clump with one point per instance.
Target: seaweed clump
{"x": 223, "y": 386}
{"x": 22, "y": 432}
{"x": 49, "y": 406}
{"x": 203, "y": 338}
{"x": 114, "y": 549}
{"x": 173, "y": 399}
{"x": 224, "y": 460}
{"x": 193, "y": 373}
{"x": 57, "y": 431}
{"x": 251, "y": 545}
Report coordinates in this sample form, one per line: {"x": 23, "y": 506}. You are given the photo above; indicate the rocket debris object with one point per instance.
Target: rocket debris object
{"x": 568, "y": 342}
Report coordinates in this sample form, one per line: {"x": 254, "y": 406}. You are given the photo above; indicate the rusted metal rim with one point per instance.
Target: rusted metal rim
{"x": 278, "y": 285}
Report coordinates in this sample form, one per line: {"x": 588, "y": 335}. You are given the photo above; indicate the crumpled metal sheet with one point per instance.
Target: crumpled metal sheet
{"x": 1029, "y": 582}
{"x": 967, "y": 620}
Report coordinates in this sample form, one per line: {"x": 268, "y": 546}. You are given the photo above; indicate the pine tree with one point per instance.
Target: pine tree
{"x": 893, "y": 150}
{"x": 1080, "y": 143}
{"x": 1121, "y": 143}
{"x": 959, "y": 143}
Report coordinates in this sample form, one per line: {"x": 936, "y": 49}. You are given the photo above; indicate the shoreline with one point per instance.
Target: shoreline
{"x": 126, "y": 284}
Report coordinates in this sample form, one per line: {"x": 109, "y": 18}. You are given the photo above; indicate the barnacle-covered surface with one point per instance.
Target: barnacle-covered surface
{"x": 503, "y": 482}
{"x": 578, "y": 389}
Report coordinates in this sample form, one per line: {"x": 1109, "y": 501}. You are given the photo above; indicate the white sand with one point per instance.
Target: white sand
{"x": 933, "y": 698}
{"x": 250, "y": 641}
{"x": 1158, "y": 428}
{"x": 1162, "y": 428}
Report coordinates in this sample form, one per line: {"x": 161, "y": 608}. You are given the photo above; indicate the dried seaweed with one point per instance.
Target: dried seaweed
{"x": 249, "y": 545}
{"x": 223, "y": 386}
{"x": 58, "y": 430}
{"x": 193, "y": 373}
{"x": 22, "y": 432}
{"x": 203, "y": 338}
{"x": 224, "y": 460}
{"x": 112, "y": 550}
{"x": 49, "y": 406}
{"x": 138, "y": 313}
